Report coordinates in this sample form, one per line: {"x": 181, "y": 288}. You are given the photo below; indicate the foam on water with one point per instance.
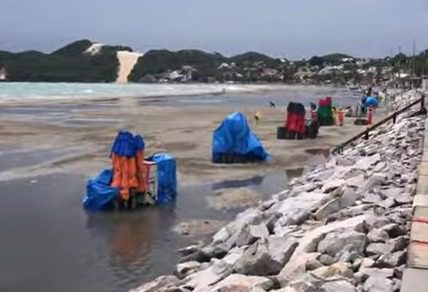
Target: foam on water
{"x": 46, "y": 91}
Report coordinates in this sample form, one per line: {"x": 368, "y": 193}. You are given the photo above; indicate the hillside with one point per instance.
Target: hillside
{"x": 68, "y": 64}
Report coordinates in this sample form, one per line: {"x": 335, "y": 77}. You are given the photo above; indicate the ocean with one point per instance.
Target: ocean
{"x": 52, "y": 91}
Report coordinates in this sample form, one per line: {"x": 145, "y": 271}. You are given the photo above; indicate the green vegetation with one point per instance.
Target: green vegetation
{"x": 68, "y": 64}
{"x": 160, "y": 61}
{"x": 205, "y": 65}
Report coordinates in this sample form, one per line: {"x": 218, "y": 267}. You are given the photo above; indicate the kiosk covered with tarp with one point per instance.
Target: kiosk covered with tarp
{"x": 296, "y": 126}
{"x": 234, "y": 142}
{"x": 371, "y": 101}
{"x": 325, "y": 113}
{"x": 132, "y": 181}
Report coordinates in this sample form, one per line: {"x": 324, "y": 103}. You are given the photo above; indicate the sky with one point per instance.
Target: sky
{"x": 292, "y": 29}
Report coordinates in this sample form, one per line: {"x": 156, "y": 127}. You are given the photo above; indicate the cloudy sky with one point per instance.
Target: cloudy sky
{"x": 283, "y": 28}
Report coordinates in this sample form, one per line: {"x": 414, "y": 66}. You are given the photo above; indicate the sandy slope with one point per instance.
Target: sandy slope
{"x": 127, "y": 62}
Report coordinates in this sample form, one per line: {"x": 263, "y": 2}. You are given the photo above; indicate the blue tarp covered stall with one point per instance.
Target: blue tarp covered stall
{"x": 234, "y": 138}
{"x": 99, "y": 194}
{"x": 166, "y": 177}
{"x": 370, "y": 101}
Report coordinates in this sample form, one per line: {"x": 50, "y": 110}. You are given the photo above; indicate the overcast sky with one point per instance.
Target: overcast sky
{"x": 283, "y": 28}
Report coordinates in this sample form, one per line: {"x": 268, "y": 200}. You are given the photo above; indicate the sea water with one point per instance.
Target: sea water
{"x": 26, "y": 90}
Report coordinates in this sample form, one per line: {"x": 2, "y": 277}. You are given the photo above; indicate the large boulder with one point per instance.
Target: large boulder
{"x": 295, "y": 210}
{"x": 337, "y": 243}
{"x": 377, "y": 235}
{"x": 266, "y": 257}
{"x": 392, "y": 260}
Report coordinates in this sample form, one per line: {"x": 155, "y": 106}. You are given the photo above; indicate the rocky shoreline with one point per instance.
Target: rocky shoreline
{"x": 344, "y": 226}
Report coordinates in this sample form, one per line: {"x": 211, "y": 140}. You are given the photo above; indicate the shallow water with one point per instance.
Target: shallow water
{"x": 50, "y": 244}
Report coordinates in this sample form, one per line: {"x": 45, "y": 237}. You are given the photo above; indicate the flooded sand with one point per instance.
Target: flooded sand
{"x": 48, "y": 152}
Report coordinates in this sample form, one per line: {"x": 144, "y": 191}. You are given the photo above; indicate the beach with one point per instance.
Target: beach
{"x": 48, "y": 150}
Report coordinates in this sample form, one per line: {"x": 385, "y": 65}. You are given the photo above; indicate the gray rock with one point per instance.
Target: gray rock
{"x": 237, "y": 282}
{"x": 333, "y": 272}
{"x": 377, "y": 235}
{"x": 250, "y": 233}
{"x": 365, "y": 163}
{"x": 305, "y": 188}
{"x": 403, "y": 199}
{"x": 234, "y": 255}
{"x": 348, "y": 198}
{"x": 394, "y": 230}
{"x": 306, "y": 283}
{"x": 281, "y": 249}
{"x": 331, "y": 206}
{"x": 378, "y": 248}
{"x": 378, "y": 284}
{"x": 295, "y": 210}
{"x": 392, "y": 260}
{"x": 338, "y": 286}
{"x": 388, "y": 203}
{"x": 285, "y": 231}
{"x": 326, "y": 260}
{"x": 266, "y": 258}
{"x": 392, "y": 192}
{"x": 210, "y": 276}
{"x": 335, "y": 244}
{"x": 184, "y": 269}
{"x": 364, "y": 273}
{"x": 159, "y": 284}
{"x": 371, "y": 198}
{"x": 396, "y": 286}
{"x": 332, "y": 185}
{"x": 313, "y": 265}
{"x": 373, "y": 181}
{"x": 356, "y": 181}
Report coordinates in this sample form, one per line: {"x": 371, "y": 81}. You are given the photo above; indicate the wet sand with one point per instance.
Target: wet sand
{"x": 82, "y": 137}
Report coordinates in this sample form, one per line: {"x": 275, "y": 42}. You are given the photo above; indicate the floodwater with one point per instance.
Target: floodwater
{"x": 49, "y": 243}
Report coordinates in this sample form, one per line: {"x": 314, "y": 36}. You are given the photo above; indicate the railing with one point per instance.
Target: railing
{"x": 393, "y": 117}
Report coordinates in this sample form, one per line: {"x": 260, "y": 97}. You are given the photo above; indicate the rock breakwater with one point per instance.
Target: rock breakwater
{"x": 344, "y": 226}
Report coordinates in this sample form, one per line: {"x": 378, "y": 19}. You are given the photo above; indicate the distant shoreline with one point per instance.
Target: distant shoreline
{"x": 87, "y": 92}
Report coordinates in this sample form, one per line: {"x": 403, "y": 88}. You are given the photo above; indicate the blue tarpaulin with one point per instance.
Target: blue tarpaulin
{"x": 370, "y": 101}
{"x": 99, "y": 194}
{"x": 235, "y": 137}
{"x": 166, "y": 177}
{"x": 126, "y": 144}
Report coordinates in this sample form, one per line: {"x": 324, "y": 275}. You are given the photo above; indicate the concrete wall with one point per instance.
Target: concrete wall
{"x": 415, "y": 278}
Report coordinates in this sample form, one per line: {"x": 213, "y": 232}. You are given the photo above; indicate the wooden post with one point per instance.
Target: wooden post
{"x": 394, "y": 117}
{"x": 422, "y": 102}
{"x": 366, "y": 136}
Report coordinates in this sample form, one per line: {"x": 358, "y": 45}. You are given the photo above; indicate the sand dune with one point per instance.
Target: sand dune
{"x": 127, "y": 61}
